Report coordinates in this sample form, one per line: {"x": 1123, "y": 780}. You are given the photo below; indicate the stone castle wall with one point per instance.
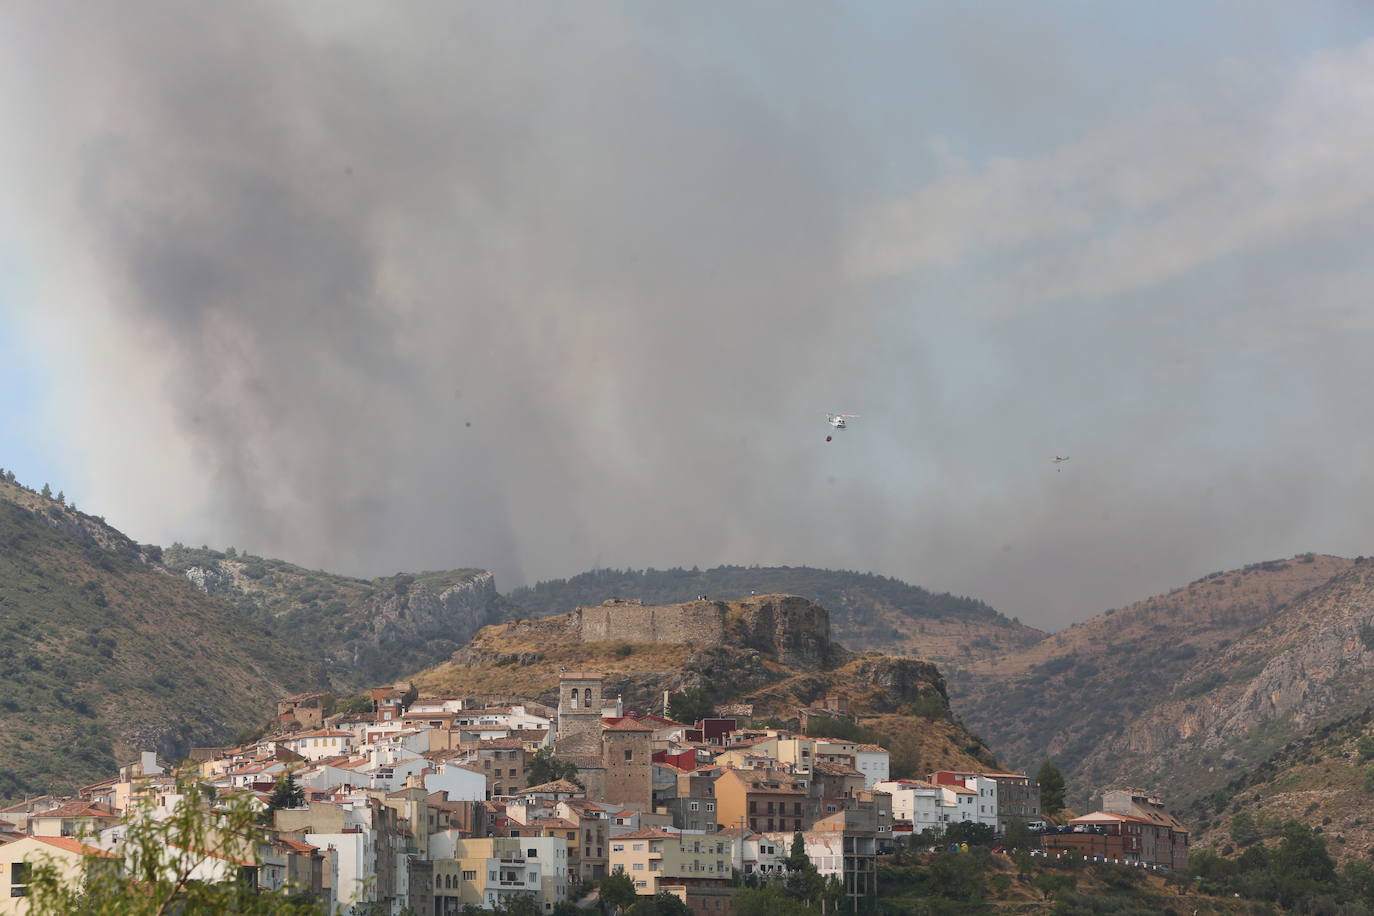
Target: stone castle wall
{"x": 700, "y": 623}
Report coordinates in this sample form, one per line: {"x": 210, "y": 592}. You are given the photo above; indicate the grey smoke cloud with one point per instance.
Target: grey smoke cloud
{"x": 538, "y": 288}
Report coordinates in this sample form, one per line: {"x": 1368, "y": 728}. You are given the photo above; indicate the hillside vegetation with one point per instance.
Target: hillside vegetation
{"x": 867, "y": 611}
{"x": 1190, "y": 690}
{"x": 102, "y": 652}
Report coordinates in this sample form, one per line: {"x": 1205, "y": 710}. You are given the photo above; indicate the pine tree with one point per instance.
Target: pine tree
{"x": 286, "y": 794}
{"x": 61, "y": 498}
{"x": 1051, "y": 787}
{"x": 47, "y": 492}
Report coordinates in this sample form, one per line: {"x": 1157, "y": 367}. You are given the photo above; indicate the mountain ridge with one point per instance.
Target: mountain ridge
{"x": 1191, "y": 689}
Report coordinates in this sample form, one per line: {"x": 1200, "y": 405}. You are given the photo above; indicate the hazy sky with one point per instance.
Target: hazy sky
{"x": 540, "y": 287}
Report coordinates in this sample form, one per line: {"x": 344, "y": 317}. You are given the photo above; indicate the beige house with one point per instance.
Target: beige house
{"x": 69, "y": 856}
{"x": 655, "y": 859}
{"x": 72, "y": 819}
{"x": 492, "y": 870}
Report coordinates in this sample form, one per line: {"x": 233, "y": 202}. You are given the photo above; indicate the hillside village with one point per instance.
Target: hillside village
{"x": 433, "y": 803}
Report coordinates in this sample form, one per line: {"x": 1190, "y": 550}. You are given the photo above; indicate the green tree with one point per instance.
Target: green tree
{"x": 617, "y": 890}
{"x": 1369, "y": 778}
{"x": 1365, "y": 747}
{"x": 545, "y": 767}
{"x": 47, "y": 492}
{"x": 970, "y": 833}
{"x": 61, "y": 498}
{"x": 691, "y": 705}
{"x": 1051, "y": 787}
{"x": 518, "y": 905}
{"x": 803, "y": 882}
{"x": 1019, "y": 836}
{"x": 661, "y": 904}
{"x": 1052, "y": 884}
{"x": 959, "y": 877}
{"x": 159, "y": 857}
{"x": 285, "y": 794}
{"x": 769, "y": 900}
{"x": 1243, "y": 829}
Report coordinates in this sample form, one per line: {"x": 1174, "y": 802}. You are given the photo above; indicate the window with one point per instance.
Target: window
{"x": 531, "y": 853}
{"x": 617, "y": 847}
{"x": 710, "y": 806}
{"x": 638, "y": 847}
{"x": 641, "y": 884}
{"x": 470, "y": 875}
{"x": 692, "y": 806}
{"x": 629, "y": 754}
{"x": 638, "y": 866}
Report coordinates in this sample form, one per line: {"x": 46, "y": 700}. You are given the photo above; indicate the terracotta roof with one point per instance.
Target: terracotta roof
{"x": 835, "y": 769}
{"x": 648, "y": 833}
{"x": 875, "y": 749}
{"x": 23, "y": 807}
{"x": 623, "y": 725}
{"x": 297, "y": 846}
{"x": 557, "y": 786}
{"x": 561, "y": 823}
{"x": 501, "y": 744}
{"x": 76, "y": 846}
{"x": 78, "y": 809}
{"x": 660, "y": 722}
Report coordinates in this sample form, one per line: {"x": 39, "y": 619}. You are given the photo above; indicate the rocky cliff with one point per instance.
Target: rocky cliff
{"x": 367, "y": 631}
{"x": 1187, "y": 691}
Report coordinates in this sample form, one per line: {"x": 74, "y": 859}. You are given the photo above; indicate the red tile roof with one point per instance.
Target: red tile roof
{"x": 623, "y": 725}
{"x": 76, "y": 846}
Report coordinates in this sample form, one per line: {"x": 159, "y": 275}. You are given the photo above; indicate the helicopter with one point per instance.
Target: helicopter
{"x": 1059, "y": 459}
{"x": 839, "y": 421}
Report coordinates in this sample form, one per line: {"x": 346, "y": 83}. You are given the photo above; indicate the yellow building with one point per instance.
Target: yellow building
{"x": 655, "y": 857}
{"x": 17, "y": 859}
{"x": 492, "y": 870}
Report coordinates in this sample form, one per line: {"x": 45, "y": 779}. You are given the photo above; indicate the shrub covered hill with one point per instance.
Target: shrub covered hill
{"x": 108, "y": 646}
{"x": 103, "y": 652}
{"x": 1257, "y": 677}
{"x": 867, "y": 611}
{"x": 773, "y": 652}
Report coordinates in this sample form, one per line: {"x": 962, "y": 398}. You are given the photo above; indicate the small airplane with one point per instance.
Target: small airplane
{"x": 839, "y": 421}
{"x": 1059, "y": 459}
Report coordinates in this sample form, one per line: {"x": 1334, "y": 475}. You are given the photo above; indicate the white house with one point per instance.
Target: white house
{"x": 872, "y": 761}
{"x": 459, "y": 782}
{"x": 320, "y": 744}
